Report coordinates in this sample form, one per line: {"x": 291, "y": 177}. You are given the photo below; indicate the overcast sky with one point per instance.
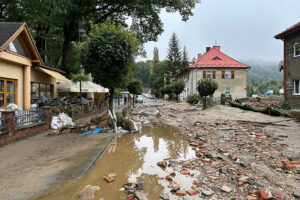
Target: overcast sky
{"x": 244, "y": 29}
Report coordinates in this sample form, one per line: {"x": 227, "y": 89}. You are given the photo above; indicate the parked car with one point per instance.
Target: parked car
{"x": 139, "y": 99}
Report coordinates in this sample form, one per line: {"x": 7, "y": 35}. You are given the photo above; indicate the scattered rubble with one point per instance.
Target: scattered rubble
{"x": 233, "y": 159}
{"x": 61, "y": 120}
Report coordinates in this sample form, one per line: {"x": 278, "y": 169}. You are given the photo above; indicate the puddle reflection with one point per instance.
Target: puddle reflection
{"x": 133, "y": 157}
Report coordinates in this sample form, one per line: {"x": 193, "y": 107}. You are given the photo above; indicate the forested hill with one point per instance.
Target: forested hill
{"x": 263, "y": 71}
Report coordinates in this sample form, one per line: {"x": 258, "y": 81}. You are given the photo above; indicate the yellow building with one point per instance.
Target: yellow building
{"x": 230, "y": 74}
{"x": 23, "y": 75}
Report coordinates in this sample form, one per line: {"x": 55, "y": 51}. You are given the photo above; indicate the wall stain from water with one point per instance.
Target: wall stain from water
{"x": 132, "y": 157}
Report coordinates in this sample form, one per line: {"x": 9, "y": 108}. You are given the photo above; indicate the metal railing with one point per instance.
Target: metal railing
{"x": 28, "y": 117}
{"x": 2, "y": 124}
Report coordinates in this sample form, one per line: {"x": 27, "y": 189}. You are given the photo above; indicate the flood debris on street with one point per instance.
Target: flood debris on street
{"x": 234, "y": 159}
{"x": 186, "y": 153}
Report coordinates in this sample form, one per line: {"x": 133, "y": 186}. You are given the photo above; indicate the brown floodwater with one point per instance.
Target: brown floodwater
{"x": 133, "y": 157}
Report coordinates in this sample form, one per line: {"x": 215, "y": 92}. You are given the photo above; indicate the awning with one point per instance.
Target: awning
{"x": 86, "y": 86}
{"x": 59, "y": 78}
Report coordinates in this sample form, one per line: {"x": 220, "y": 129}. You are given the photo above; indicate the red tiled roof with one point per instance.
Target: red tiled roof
{"x": 288, "y": 31}
{"x": 216, "y": 59}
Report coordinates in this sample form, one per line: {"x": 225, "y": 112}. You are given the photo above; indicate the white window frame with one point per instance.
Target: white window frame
{"x": 295, "y": 49}
{"x": 209, "y": 73}
{"x": 226, "y": 71}
{"x": 295, "y": 87}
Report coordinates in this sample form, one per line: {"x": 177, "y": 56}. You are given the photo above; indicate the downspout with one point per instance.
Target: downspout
{"x": 284, "y": 72}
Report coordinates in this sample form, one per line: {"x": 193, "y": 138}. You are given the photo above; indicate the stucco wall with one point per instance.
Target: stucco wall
{"x": 41, "y": 77}
{"x": 237, "y": 85}
{"x": 292, "y": 69}
{"x": 13, "y": 71}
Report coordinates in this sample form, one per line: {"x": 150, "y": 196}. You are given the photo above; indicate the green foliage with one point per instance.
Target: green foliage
{"x": 156, "y": 79}
{"x": 193, "y": 99}
{"x": 178, "y": 86}
{"x": 142, "y": 72}
{"x": 54, "y": 23}
{"x": 135, "y": 87}
{"x": 174, "y": 57}
{"x": 207, "y": 87}
{"x": 185, "y": 58}
{"x": 79, "y": 77}
{"x": 168, "y": 89}
{"x": 117, "y": 92}
{"x": 285, "y": 105}
{"x": 155, "y": 56}
{"x": 263, "y": 76}
{"x": 108, "y": 54}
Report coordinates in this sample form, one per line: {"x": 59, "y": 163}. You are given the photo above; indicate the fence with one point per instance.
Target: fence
{"x": 28, "y": 117}
{"x": 2, "y": 124}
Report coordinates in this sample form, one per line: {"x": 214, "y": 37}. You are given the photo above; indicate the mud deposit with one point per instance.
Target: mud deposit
{"x": 133, "y": 157}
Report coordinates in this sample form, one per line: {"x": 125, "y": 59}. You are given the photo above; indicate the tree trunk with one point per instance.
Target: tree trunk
{"x": 69, "y": 36}
{"x": 133, "y": 100}
{"x": 111, "y": 100}
{"x": 204, "y": 103}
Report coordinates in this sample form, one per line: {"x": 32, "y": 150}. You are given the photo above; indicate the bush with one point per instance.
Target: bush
{"x": 285, "y": 105}
{"x": 193, "y": 99}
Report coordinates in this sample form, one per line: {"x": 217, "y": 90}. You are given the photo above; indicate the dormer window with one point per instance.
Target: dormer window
{"x": 217, "y": 58}
{"x": 16, "y": 47}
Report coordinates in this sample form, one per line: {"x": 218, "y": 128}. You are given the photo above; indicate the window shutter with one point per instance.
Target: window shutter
{"x": 223, "y": 74}
{"x": 214, "y": 74}
{"x": 232, "y": 74}
{"x": 204, "y": 74}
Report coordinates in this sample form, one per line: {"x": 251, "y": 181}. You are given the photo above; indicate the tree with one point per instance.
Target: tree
{"x": 79, "y": 78}
{"x": 157, "y": 78}
{"x": 155, "y": 56}
{"x": 178, "y": 87}
{"x": 174, "y": 57}
{"x": 185, "y": 58}
{"x": 206, "y": 87}
{"x": 108, "y": 55}
{"x": 62, "y": 18}
{"x": 135, "y": 87}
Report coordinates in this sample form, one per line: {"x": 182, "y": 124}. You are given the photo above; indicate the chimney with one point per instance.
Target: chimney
{"x": 199, "y": 55}
{"x": 207, "y": 49}
{"x": 217, "y": 47}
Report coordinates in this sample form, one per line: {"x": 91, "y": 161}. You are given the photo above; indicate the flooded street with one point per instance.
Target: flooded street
{"x": 133, "y": 157}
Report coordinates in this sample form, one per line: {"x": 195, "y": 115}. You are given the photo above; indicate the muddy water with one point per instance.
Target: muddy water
{"x": 133, "y": 157}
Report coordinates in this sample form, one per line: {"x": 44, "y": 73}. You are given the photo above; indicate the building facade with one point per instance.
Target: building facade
{"x": 291, "y": 64}
{"x": 230, "y": 74}
{"x": 23, "y": 75}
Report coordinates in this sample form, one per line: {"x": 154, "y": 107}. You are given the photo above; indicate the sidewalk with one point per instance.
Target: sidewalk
{"x": 35, "y": 164}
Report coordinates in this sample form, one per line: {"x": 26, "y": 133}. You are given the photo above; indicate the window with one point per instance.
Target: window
{"x": 209, "y": 74}
{"x": 16, "y": 47}
{"x": 217, "y": 58}
{"x": 228, "y": 74}
{"x": 8, "y": 92}
{"x": 296, "y": 49}
{"x": 227, "y": 92}
{"x": 297, "y": 87}
{"x": 40, "y": 89}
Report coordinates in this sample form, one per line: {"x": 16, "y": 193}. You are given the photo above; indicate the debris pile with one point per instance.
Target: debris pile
{"x": 233, "y": 159}
{"x": 61, "y": 120}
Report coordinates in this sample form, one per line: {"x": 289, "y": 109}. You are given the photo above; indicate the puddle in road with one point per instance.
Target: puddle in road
{"x": 134, "y": 157}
